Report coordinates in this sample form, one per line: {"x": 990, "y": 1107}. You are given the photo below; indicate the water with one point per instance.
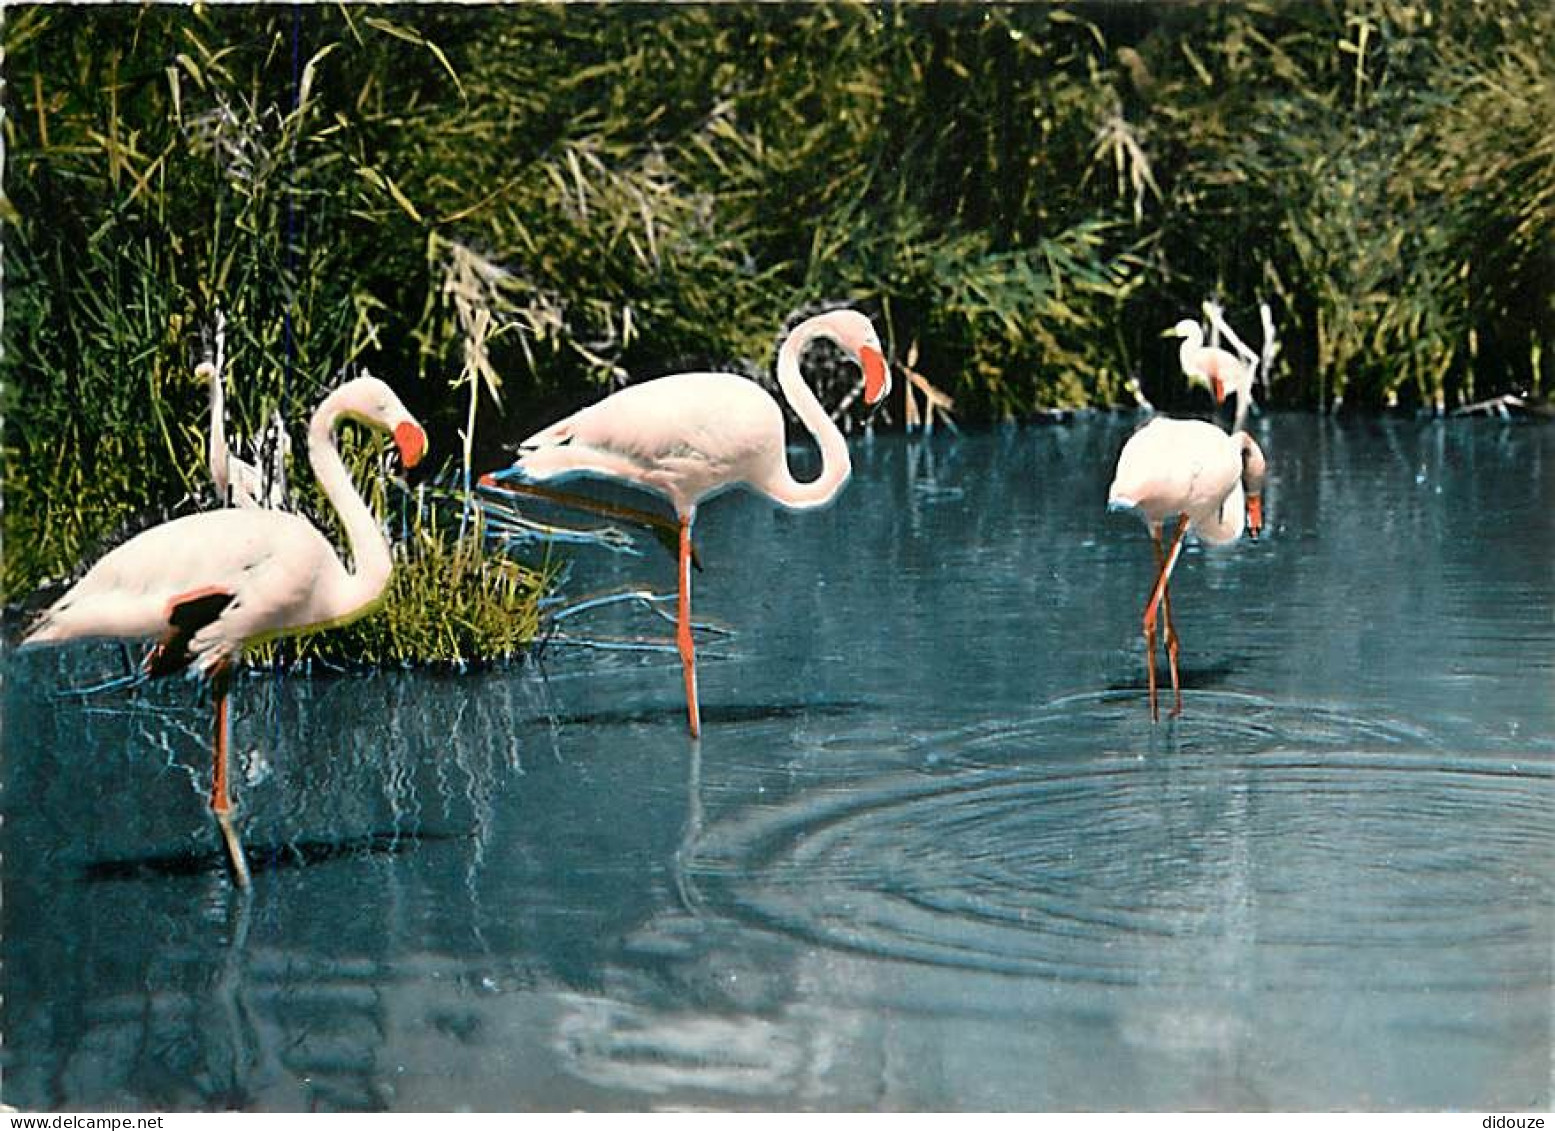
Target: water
{"x": 931, "y": 853}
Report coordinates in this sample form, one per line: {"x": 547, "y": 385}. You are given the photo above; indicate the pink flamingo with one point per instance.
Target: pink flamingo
{"x": 1191, "y": 471}
{"x": 1224, "y": 372}
{"x": 689, "y": 436}
{"x": 238, "y": 482}
{"x": 209, "y": 584}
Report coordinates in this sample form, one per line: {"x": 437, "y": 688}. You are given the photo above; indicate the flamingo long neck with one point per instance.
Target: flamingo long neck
{"x": 216, "y": 446}
{"x": 369, "y": 548}
{"x": 1255, "y": 468}
{"x": 1187, "y": 352}
{"x": 1243, "y": 402}
{"x": 836, "y": 467}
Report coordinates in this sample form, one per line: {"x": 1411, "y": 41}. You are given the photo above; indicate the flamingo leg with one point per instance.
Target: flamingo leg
{"x": 1155, "y": 714}
{"x": 1157, "y": 597}
{"x": 221, "y": 801}
{"x": 1172, "y": 646}
{"x": 688, "y": 658}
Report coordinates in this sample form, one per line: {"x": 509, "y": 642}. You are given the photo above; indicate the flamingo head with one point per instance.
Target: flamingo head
{"x": 1187, "y": 328}
{"x": 370, "y": 401}
{"x": 1255, "y": 470}
{"x": 856, "y": 334}
{"x": 205, "y": 371}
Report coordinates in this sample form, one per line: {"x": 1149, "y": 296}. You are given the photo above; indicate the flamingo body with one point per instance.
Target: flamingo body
{"x": 277, "y": 567}
{"x": 689, "y": 436}
{"x": 1171, "y": 468}
{"x": 686, "y": 437}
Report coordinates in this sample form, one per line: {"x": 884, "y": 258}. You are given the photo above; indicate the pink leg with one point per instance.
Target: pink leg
{"x": 1172, "y": 646}
{"x": 1150, "y": 666}
{"x": 221, "y": 801}
{"x": 688, "y": 657}
{"x": 1157, "y": 597}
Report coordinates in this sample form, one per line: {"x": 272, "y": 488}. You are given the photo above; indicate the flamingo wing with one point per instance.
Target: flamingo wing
{"x": 186, "y": 616}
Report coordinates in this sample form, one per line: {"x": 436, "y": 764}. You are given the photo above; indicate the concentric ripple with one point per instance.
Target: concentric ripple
{"x": 1111, "y": 722}
{"x": 1261, "y": 846}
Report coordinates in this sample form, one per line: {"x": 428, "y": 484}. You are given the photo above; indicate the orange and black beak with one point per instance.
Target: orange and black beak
{"x": 877, "y": 378}
{"x": 1254, "y": 516}
{"x": 411, "y": 441}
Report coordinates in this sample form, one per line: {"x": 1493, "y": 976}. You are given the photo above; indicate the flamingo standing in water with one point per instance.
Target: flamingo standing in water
{"x": 208, "y": 584}
{"x": 689, "y": 436}
{"x": 238, "y": 482}
{"x": 1191, "y": 472}
{"x": 1224, "y": 372}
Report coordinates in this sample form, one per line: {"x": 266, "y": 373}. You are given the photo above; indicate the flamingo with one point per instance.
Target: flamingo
{"x": 1224, "y": 372}
{"x": 1190, "y": 471}
{"x": 238, "y": 482}
{"x": 209, "y": 584}
{"x": 690, "y": 436}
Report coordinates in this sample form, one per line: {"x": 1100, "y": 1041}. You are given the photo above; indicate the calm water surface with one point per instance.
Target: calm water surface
{"x": 931, "y": 853}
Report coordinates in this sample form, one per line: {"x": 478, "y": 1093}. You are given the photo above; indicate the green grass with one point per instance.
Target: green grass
{"x": 447, "y": 603}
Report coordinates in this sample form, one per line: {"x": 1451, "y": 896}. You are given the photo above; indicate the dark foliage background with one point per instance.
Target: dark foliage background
{"x": 537, "y": 201}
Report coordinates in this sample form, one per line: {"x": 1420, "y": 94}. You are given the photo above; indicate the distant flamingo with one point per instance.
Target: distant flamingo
{"x": 1191, "y": 471}
{"x": 208, "y": 584}
{"x": 238, "y": 482}
{"x": 1224, "y": 372}
{"x": 689, "y": 436}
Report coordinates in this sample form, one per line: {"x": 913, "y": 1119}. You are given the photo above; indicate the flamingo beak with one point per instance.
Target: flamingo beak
{"x": 411, "y": 441}
{"x": 1254, "y": 516}
{"x": 877, "y": 378}
{"x": 496, "y": 480}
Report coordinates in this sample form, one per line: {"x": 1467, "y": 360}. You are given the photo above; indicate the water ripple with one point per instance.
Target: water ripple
{"x": 1260, "y": 845}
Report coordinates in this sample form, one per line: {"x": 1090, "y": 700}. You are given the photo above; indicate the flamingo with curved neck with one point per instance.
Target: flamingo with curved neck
{"x": 689, "y": 436}
{"x": 209, "y": 584}
{"x": 1222, "y": 371}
